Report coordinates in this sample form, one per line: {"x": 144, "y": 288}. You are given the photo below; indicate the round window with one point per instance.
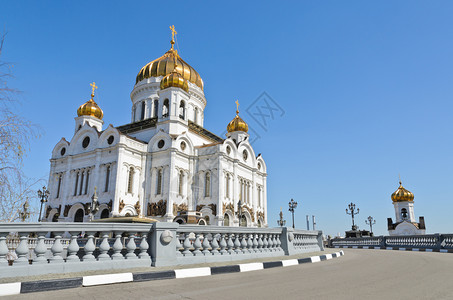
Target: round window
{"x": 245, "y": 154}
{"x": 63, "y": 151}
{"x": 161, "y": 144}
{"x": 86, "y": 142}
{"x": 183, "y": 145}
{"x": 110, "y": 139}
{"x": 228, "y": 149}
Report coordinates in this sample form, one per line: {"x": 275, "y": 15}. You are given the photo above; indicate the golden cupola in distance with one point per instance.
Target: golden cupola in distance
{"x": 90, "y": 108}
{"x": 174, "y": 79}
{"x": 167, "y": 63}
{"x": 402, "y": 195}
{"x": 237, "y": 124}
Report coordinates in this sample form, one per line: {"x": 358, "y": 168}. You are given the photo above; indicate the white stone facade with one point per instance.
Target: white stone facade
{"x": 163, "y": 164}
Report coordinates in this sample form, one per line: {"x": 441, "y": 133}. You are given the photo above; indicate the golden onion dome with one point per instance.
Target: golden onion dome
{"x": 90, "y": 108}
{"x": 168, "y": 63}
{"x": 402, "y": 195}
{"x": 237, "y": 124}
{"x": 174, "y": 79}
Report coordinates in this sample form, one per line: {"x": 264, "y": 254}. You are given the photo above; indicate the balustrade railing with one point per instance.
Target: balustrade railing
{"x": 119, "y": 245}
{"x": 428, "y": 241}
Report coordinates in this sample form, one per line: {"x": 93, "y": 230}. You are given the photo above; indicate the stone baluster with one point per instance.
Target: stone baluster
{"x": 279, "y": 243}
{"x": 265, "y": 243}
{"x": 255, "y": 242}
{"x": 178, "y": 245}
{"x": 104, "y": 247}
{"x": 22, "y": 249}
{"x": 3, "y": 249}
{"x": 40, "y": 249}
{"x": 197, "y": 245}
{"x": 223, "y": 245}
{"x": 270, "y": 243}
{"x": 215, "y": 245}
{"x": 73, "y": 247}
{"x": 275, "y": 242}
{"x": 187, "y": 245}
{"x": 249, "y": 243}
{"x": 237, "y": 244}
{"x": 117, "y": 247}
{"x": 131, "y": 246}
{"x": 144, "y": 246}
{"x": 244, "y": 243}
{"x": 230, "y": 243}
{"x": 260, "y": 243}
{"x": 206, "y": 245}
{"x": 89, "y": 248}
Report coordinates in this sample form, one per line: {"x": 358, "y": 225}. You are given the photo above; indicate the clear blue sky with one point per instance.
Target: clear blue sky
{"x": 366, "y": 88}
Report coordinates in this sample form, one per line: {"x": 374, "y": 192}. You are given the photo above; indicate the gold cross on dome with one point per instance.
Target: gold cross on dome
{"x": 93, "y": 87}
{"x": 173, "y": 32}
{"x": 237, "y": 106}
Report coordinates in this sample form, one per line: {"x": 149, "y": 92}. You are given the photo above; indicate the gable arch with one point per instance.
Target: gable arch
{"x": 56, "y": 152}
{"x": 76, "y": 142}
{"x": 154, "y": 141}
{"x": 103, "y": 139}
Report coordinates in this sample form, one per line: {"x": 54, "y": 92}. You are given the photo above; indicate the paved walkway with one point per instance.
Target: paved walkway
{"x": 359, "y": 274}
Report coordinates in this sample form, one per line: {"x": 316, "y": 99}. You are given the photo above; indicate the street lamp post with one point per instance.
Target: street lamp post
{"x": 351, "y": 211}
{"x": 370, "y": 222}
{"x": 43, "y": 195}
{"x": 239, "y": 212}
{"x": 292, "y": 206}
{"x": 281, "y": 222}
{"x": 24, "y": 214}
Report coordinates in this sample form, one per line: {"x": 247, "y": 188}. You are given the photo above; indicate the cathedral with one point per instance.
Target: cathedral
{"x": 405, "y": 223}
{"x": 164, "y": 164}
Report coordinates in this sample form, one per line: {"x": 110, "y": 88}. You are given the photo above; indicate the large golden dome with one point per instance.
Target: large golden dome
{"x": 165, "y": 64}
{"x": 174, "y": 79}
{"x": 402, "y": 195}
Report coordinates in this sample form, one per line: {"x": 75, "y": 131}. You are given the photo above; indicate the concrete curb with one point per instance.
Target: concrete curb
{"x": 16, "y": 288}
{"x": 398, "y": 249}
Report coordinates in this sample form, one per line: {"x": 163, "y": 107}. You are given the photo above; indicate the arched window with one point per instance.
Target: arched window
{"x": 105, "y": 213}
{"x": 86, "y": 182}
{"x": 182, "y": 110}
{"x": 207, "y": 185}
{"x": 78, "y": 217}
{"x": 81, "y": 182}
{"x": 226, "y": 220}
{"x": 76, "y": 183}
{"x": 243, "y": 221}
{"x": 259, "y": 196}
{"x": 142, "y": 116}
{"x": 130, "y": 180}
{"x": 195, "y": 115}
{"x": 181, "y": 182}
{"x": 156, "y": 108}
{"x": 59, "y": 186}
{"x": 159, "y": 182}
{"x": 165, "y": 109}
{"x": 404, "y": 214}
{"x": 259, "y": 223}
{"x": 227, "y": 186}
{"x": 107, "y": 179}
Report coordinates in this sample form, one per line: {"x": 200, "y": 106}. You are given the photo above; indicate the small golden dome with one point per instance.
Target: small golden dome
{"x": 402, "y": 195}
{"x": 165, "y": 64}
{"x": 174, "y": 79}
{"x": 237, "y": 124}
{"x": 90, "y": 108}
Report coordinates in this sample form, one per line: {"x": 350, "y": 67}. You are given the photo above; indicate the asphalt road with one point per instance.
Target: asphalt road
{"x": 360, "y": 274}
